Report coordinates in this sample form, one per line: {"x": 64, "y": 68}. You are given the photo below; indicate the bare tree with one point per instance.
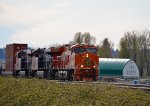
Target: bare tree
{"x": 88, "y": 38}
{"x": 132, "y": 41}
{"x": 84, "y": 38}
{"x": 145, "y": 47}
{"x": 137, "y": 45}
{"x": 123, "y": 50}
{"x": 105, "y": 48}
{"x": 78, "y": 38}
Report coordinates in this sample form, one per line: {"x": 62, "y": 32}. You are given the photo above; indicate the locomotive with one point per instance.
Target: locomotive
{"x": 75, "y": 62}
{"x": 69, "y": 61}
{"x": 31, "y": 62}
{"x": 41, "y": 61}
{"x": 23, "y": 62}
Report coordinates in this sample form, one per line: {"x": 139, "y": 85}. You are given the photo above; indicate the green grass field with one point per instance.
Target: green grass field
{"x": 40, "y": 92}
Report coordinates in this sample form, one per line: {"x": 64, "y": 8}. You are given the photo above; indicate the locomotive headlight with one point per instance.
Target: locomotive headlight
{"x": 94, "y": 66}
{"x": 87, "y": 55}
{"x": 81, "y": 66}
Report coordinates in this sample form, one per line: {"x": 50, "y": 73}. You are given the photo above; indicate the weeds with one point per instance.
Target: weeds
{"x": 35, "y": 92}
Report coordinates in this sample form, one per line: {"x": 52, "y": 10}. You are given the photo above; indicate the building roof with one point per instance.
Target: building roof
{"x": 112, "y": 67}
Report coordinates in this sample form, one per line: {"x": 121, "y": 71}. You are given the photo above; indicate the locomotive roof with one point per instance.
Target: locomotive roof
{"x": 72, "y": 45}
{"x": 26, "y": 51}
{"x": 38, "y": 50}
{"x": 82, "y": 45}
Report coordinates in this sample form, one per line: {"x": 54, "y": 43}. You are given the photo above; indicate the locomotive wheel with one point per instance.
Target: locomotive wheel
{"x": 13, "y": 73}
{"x": 80, "y": 78}
{"x": 50, "y": 73}
{"x": 53, "y": 75}
{"x": 94, "y": 78}
{"x": 33, "y": 73}
{"x": 72, "y": 78}
{"x": 16, "y": 73}
{"x": 45, "y": 74}
{"x": 94, "y": 75}
{"x": 26, "y": 73}
{"x": 70, "y": 75}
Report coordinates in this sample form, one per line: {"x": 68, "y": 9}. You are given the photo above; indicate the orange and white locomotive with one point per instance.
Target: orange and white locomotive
{"x": 75, "y": 62}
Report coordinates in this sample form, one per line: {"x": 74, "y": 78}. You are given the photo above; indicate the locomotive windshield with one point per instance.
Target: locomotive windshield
{"x": 79, "y": 50}
{"x": 92, "y": 50}
{"x": 82, "y": 50}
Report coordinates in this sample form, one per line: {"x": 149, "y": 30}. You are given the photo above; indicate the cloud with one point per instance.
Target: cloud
{"x": 42, "y": 36}
{"x": 35, "y": 25}
{"x": 63, "y": 4}
{"x": 45, "y": 22}
{"x": 20, "y": 15}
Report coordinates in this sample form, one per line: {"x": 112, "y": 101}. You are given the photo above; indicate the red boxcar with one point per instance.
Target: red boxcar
{"x": 11, "y": 51}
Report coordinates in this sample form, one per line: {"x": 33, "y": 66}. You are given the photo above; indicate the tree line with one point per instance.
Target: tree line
{"x": 134, "y": 45}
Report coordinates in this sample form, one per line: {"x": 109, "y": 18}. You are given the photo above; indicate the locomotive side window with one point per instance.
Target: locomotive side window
{"x": 92, "y": 50}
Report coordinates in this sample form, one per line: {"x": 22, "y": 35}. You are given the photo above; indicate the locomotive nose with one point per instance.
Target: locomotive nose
{"x": 88, "y": 61}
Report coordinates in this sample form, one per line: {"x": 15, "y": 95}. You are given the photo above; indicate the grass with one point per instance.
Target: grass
{"x": 40, "y": 92}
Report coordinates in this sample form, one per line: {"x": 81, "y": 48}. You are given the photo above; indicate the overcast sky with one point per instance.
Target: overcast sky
{"x": 44, "y": 22}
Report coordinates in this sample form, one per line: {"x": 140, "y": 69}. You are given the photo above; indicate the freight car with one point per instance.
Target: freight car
{"x": 11, "y": 51}
{"x": 75, "y": 62}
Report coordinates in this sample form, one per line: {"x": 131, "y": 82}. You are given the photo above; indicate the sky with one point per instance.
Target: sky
{"x": 41, "y": 23}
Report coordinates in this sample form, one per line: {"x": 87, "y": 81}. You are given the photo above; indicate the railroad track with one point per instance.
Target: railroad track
{"x": 120, "y": 85}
